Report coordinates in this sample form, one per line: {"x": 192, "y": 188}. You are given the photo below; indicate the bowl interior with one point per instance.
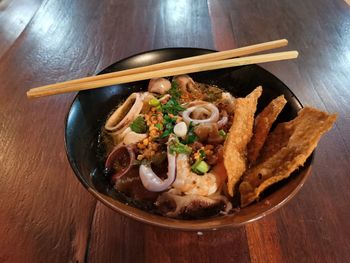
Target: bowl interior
{"x": 90, "y": 108}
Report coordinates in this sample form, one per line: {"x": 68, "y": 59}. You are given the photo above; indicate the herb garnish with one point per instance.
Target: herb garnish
{"x": 177, "y": 147}
{"x": 200, "y": 167}
{"x": 154, "y": 102}
{"x": 174, "y": 90}
{"x": 222, "y": 133}
{"x": 168, "y": 126}
{"x": 191, "y": 136}
{"x": 159, "y": 126}
{"x": 139, "y": 125}
{"x": 172, "y": 107}
{"x": 202, "y": 154}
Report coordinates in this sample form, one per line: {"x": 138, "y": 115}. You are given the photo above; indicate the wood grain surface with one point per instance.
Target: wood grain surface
{"x": 47, "y": 216}
{"x": 14, "y": 17}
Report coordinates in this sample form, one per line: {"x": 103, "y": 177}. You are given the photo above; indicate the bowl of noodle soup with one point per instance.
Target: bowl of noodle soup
{"x": 86, "y": 147}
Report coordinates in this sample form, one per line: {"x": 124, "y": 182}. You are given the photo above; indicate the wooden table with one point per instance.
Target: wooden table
{"x": 47, "y": 216}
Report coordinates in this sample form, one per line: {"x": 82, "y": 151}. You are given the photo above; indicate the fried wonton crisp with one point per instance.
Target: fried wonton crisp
{"x": 262, "y": 126}
{"x": 240, "y": 133}
{"x": 287, "y": 148}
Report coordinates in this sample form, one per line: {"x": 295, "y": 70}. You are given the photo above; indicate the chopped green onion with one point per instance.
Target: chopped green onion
{"x": 154, "y": 102}
{"x": 222, "y": 133}
{"x": 200, "y": 167}
{"x": 202, "y": 154}
{"x": 178, "y": 147}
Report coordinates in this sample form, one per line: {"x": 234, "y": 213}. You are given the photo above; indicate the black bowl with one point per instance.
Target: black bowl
{"x": 90, "y": 108}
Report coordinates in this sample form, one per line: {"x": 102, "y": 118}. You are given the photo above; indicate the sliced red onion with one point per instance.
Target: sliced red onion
{"x": 222, "y": 122}
{"x": 199, "y": 112}
{"x": 214, "y": 114}
{"x": 159, "y": 85}
{"x": 229, "y": 101}
{"x": 123, "y": 153}
{"x": 152, "y": 182}
{"x": 123, "y": 116}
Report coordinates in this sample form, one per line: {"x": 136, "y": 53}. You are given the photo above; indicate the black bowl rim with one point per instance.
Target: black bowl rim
{"x": 97, "y": 195}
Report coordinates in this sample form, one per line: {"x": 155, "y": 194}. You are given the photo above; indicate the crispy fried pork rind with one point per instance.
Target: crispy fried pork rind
{"x": 262, "y": 126}
{"x": 240, "y": 133}
{"x": 287, "y": 148}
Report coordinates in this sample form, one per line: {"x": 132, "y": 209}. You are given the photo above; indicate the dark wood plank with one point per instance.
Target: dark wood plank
{"x": 115, "y": 238}
{"x": 265, "y": 232}
{"x": 14, "y": 17}
{"x": 45, "y": 213}
{"x": 118, "y": 239}
{"x": 181, "y": 24}
{"x": 314, "y": 226}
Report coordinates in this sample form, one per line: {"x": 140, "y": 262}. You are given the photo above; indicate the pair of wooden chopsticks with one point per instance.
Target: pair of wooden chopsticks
{"x": 216, "y": 60}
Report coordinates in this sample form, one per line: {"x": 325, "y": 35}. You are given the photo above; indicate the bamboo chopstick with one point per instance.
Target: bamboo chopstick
{"x": 49, "y": 90}
{"x": 216, "y": 56}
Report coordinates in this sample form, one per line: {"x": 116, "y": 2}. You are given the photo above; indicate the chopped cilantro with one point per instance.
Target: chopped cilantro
{"x": 191, "y": 136}
{"x": 174, "y": 90}
{"x": 191, "y": 139}
{"x": 165, "y": 134}
{"x": 159, "y": 126}
{"x": 202, "y": 154}
{"x": 172, "y": 107}
{"x": 168, "y": 119}
{"x": 168, "y": 126}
